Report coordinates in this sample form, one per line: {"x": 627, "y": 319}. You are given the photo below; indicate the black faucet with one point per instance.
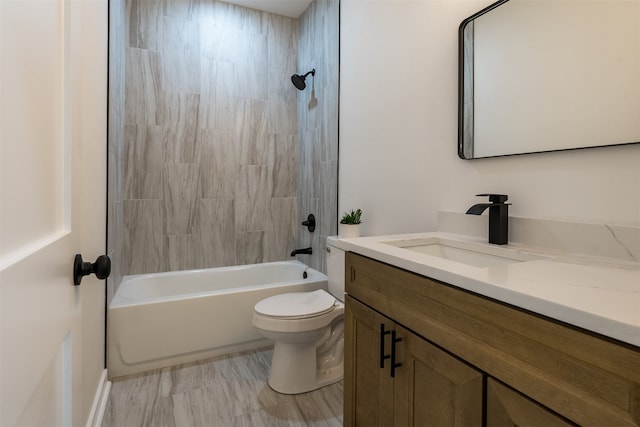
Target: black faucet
{"x": 498, "y": 217}
{"x": 305, "y": 251}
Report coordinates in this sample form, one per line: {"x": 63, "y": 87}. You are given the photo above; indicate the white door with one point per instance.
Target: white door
{"x": 53, "y": 83}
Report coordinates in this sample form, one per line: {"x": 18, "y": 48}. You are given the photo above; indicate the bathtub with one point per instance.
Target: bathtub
{"x": 164, "y": 319}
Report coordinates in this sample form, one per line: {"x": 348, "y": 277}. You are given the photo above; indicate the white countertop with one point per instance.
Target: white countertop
{"x": 598, "y": 294}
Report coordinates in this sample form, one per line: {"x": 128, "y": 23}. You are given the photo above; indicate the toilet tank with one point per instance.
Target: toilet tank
{"x": 335, "y": 270}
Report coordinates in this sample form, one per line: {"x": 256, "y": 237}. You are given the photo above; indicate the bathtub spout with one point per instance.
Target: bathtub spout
{"x": 305, "y": 251}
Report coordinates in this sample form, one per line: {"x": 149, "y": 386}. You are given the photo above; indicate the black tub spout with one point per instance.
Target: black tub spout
{"x": 305, "y": 251}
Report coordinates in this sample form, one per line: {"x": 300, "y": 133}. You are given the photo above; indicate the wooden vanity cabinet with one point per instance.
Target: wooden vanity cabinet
{"x": 466, "y": 360}
{"x": 508, "y": 408}
{"x": 428, "y": 388}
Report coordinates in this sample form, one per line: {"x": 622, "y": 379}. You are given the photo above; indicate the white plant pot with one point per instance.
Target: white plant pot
{"x": 349, "y": 230}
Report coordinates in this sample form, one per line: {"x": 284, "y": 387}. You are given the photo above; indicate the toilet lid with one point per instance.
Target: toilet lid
{"x": 296, "y": 304}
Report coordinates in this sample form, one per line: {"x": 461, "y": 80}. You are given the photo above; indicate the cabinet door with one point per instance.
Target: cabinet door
{"x": 368, "y": 388}
{"x": 508, "y": 408}
{"x": 433, "y": 388}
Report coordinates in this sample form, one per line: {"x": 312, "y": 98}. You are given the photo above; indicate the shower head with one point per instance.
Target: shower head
{"x": 298, "y": 80}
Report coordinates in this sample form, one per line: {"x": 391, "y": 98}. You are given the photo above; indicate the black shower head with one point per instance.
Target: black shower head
{"x": 298, "y": 80}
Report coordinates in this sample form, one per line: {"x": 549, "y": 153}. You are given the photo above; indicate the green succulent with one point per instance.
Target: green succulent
{"x": 352, "y": 217}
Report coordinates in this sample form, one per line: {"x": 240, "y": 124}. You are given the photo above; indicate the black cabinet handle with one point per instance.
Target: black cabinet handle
{"x": 383, "y": 356}
{"x": 394, "y": 365}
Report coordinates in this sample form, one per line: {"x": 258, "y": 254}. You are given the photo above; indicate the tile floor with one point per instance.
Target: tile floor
{"x": 227, "y": 392}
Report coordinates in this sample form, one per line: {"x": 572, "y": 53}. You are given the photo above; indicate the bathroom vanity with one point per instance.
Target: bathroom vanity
{"x": 432, "y": 340}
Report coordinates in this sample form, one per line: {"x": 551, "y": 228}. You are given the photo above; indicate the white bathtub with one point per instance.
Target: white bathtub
{"x": 163, "y": 319}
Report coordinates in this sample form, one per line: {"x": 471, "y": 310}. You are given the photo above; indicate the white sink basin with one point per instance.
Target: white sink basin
{"x": 472, "y": 254}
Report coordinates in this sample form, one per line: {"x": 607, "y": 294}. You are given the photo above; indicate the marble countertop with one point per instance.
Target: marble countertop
{"x": 597, "y": 294}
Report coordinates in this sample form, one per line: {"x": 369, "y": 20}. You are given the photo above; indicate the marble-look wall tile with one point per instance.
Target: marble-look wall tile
{"x": 183, "y": 10}
{"x": 180, "y": 55}
{"x": 282, "y": 45}
{"x": 143, "y": 242}
{"x": 145, "y": 24}
{"x": 118, "y": 25}
{"x": 179, "y": 118}
{"x": 252, "y": 198}
{"x": 218, "y": 232}
{"x": 327, "y": 224}
{"x": 251, "y": 131}
{"x": 251, "y": 76}
{"x": 317, "y": 119}
{"x": 283, "y": 154}
{"x": 215, "y": 79}
{"x": 284, "y": 223}
{"x": 250, "y": 247}
{"x": 240, "y": 18}
{"x": 143, "y": 162}
{"x": 142, "y": 86}
{"x": 308, "y": 159}
{"x": 218, "y": 169}
{"x": 217, "y": 110}
{"x": 282, "y": 40}
{"x": 183, "y": 252}
{"x": 329, "y": 127}
{"x": 218, "y": 37}
{"x": 180, "y": 198}
{"x": 282, "y": 110}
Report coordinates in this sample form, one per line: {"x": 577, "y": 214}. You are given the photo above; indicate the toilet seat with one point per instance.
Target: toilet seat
{"x": 296, "y": 305}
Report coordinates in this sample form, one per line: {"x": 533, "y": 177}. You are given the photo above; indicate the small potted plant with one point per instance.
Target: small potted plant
{"x": 350, "y": 223}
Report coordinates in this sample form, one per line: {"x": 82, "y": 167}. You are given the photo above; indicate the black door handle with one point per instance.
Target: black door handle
{"x": 101, "y": 268}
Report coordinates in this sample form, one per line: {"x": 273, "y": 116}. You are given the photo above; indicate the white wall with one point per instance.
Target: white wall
{"x": 398, "y": 132}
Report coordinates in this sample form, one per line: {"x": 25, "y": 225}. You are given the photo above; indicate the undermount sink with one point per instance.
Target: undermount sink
{"x": 472, "y": 254}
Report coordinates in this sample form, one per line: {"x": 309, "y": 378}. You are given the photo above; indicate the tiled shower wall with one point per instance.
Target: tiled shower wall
{"x": 205, "y": 168}
{"x": 117, "y": 31}
{"x": 210, "y": 136}
{"x": 318, "y": 47}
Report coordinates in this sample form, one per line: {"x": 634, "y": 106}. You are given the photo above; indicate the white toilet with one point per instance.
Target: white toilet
{"x": 307, "y": 328}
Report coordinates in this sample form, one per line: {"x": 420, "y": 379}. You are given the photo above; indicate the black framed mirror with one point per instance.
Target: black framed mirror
{"x": 539, "y": 75}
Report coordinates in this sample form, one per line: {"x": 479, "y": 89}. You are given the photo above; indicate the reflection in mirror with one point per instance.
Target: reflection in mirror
{"x": 539, "y": 75}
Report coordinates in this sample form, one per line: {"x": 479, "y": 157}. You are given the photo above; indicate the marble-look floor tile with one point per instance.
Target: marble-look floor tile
{"x": 227, "y": 391}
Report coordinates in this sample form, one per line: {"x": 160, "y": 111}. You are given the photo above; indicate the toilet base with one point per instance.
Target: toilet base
{"x": 294, "y": 369}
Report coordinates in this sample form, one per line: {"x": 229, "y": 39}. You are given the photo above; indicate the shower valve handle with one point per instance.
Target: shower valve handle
{"x": 310, "y": 223}
{"x": 101, "y": 268}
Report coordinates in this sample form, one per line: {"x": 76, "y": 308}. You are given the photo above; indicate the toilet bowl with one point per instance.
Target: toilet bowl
{"x": 308, "y": 331}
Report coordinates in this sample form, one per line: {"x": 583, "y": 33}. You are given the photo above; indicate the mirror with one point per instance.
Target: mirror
{"x": 540, "y": 75}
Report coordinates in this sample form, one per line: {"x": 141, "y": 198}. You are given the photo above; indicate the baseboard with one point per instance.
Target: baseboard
{"x": 99, "y": 402}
